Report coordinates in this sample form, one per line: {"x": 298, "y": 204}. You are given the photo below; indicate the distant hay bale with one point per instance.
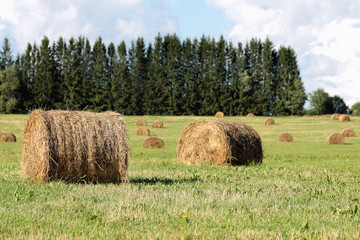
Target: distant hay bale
{"x": 157, "y": 124}
{"x": 75, "y": 145}
{"x": 348, "y": 132}
{"x": 141, "y": 122}
{"x": 143, "y": 131}
{"x": 285, "y": 137}
{"x": 269, "y": 121}
{"x": 335, "y": 138}
{"x": 344, "y": 118}
{"x": 250, "y": 115}
{"x": 7, "y": 137}
{"x": 219, "y": 143}
{"x": 153, "y": 142}
{"x": 219, "y": 115}
{"x": 335, "y": 116}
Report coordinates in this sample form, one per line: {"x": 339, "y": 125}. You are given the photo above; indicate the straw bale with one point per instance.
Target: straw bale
{"x": 269, "y": 121}
{"x": 250, "y": 115}
{"x": 141, "y": 122}
{"x": 219, "y": 115}
{"x": 7, "y": 137}
{"x": 153, "y": 142}
{"x": 344, "y": 118}
{"x": 285, "y": 137}
{"x": 348, "y": 132}
{"x": 220, "y": 143}
{"x": 335, "y": 116}
{"x": 143, "y": 131}
{"x": 335, "y": 138}
{"x": 157, "y": 124}
{"x": 75, "y": 145}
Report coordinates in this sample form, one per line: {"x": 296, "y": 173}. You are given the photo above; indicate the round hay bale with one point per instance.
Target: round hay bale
{"x": 7, "y": 137}
{"x": 269, "y": 121}
{"x": 219, "y": 115}
{"x": 250, "y": 115}
{"x": 285, "y": 137}
{"x": 153, "y": 142}
{"x": 75, "y": 146}
{"x": 344, "y": 118}
{"x": 348, "y": 132}
{"x": 335, "y": 138}
{"x": 143, "y": 131}
{"x": 335, "y": 116}
{"x": 157, "y": 124}
{"x": 219, "y": 143}
{"x": 141, "y": 122}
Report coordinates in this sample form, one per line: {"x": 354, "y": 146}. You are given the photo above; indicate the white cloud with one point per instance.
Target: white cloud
{"x": 113, "y": 20}
{"x": 325, "y": 35}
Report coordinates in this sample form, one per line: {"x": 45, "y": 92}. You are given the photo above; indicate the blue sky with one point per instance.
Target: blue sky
{"x": 325, "y": 34}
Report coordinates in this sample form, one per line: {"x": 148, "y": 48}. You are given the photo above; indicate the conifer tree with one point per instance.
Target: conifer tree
{"x": 45, "y": 85}
{"x": 157, "y": 94}
{"x": 138, "y": 63}
{"x": 9, "y": 87}
{"x": 121, "y": 86}
{"x": 100, "y": 77}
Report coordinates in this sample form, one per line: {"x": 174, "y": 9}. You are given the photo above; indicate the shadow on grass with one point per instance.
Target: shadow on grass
{"x": 163, "y": 181}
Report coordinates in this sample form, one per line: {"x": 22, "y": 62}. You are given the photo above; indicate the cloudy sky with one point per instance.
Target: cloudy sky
{"x": 324, "y": 33}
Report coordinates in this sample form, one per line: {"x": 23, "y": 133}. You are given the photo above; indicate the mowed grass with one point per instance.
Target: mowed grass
{"x": 305, "y": 189}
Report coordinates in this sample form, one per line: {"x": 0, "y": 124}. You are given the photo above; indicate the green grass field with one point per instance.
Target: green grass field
{"x": 305, "y": 189}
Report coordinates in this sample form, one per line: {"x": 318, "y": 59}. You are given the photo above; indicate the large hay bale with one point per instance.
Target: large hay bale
{"x": 285, "y": 137}
{"x": 219, "y": 115}
{"x": 153, "y": 142}
{"x": 335, "y": 116}
{"x": 348, "y": 132}
{"x": 335, "y": 138}
{"x": 269, "y": 121}
{"x": 344, "y": 118}
{"x": 250, "y": 115}
{"x": 7, "y": 137}
{"x": 75, "y": 145}
{"x": 157, "y": 124}
{"x": 141, "y": 122}
{"x": 143, "y": 131}
{"x": 219, "y": 143}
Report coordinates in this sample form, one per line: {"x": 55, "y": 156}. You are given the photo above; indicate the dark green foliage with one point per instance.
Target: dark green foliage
{"x": 356, "y": 109}
{"x": 169, "y": 77}
{"x": 322, "y": 103}
{"x": 9, "y": 87}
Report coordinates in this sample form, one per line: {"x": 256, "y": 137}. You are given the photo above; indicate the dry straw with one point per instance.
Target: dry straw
{"x": 143, "y": 131}
{"x": 219, "y": 143}
{"x": 335, "y": 138}
{"x": 269, "y": 121}
{"x": 75, "y": 145}
{"x": 250, "y": 115}
{"x": 141, "y": 122}
{"x": 348, "y": 132}
{"x": 153, "y": 142}
{"x": 285, "y": 137}
{"x": 157, "y": 124}
{"x": 344, "y": 118}
{"x": 335, "y": 116}
{"x": 7, "y": 137}
{"x": 219, "y": 115}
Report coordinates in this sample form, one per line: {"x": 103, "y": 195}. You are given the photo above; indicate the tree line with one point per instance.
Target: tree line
{"x": 166, "y": 77}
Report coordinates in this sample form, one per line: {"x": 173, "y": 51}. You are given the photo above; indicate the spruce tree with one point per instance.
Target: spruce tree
{"x": 121, "y": 86}
{"x": 45, "y": 86}
{"x": 9, "y": 89}
{"x": 6, "y": 58}
{"x": 138, "y": 66}
{"x": 157, "y": 94}
{"x": 100, "y": 77}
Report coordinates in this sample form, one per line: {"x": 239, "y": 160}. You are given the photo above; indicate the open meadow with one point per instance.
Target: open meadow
{"x": 303, "y": 189}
